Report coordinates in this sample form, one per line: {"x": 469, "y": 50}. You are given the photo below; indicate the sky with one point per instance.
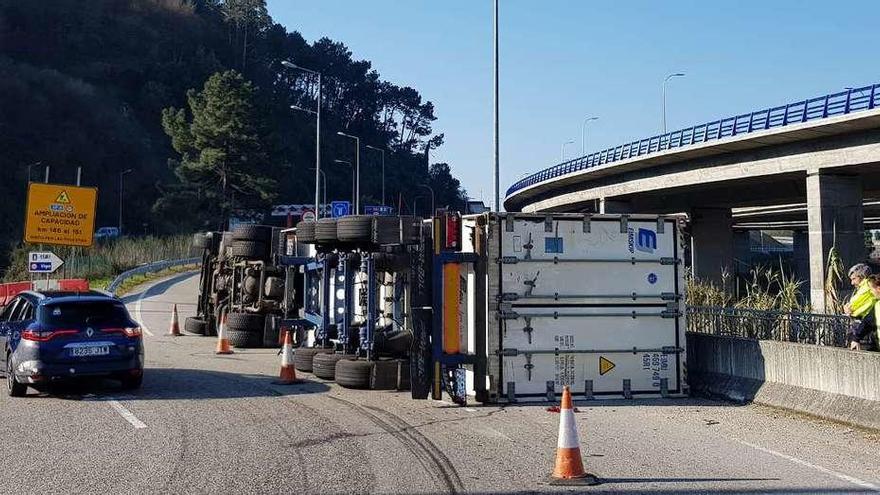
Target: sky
{"x": 564, "y": 61}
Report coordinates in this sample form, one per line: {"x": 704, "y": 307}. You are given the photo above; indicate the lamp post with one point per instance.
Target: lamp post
{"x": 357, "y": 166}
{"x": 495, "y": 134}
{"x": 317, "y": 113}
{"x": 380, "y": 150}
{"x": 584, "y": 134}
{"x": 433, "y": 206}
{"x": 562, "y": 150}
{"x": 324, "y": 179}
{"x": 346, "y": 162}
{"x": 121, "y": 196}
{"x": 666, "y": 80}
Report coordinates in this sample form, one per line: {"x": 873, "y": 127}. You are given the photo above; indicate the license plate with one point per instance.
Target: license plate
{"x": 90, "y": 351}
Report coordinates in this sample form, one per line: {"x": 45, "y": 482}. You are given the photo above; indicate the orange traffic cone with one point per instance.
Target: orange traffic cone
{"x": 174, "y": 331}
{"x": 569, "y": 468}
{"x": 288, "y": 374}
{"x": 222, "y": 340}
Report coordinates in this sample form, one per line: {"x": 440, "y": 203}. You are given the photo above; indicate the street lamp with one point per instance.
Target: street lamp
{"x": 433, "y": 206}
{"x": 584, "y": 134}
{"x": 380, "y": 150}
{"x": 666, "y": 80}
{"x": 562, "y": 150}
{"x": 357, "y": 165}
{"x": 121, "y": 184}
{"x": 346, "y": 162}
{"x": 324, "y": 178}
{"x": 291, "y": 65}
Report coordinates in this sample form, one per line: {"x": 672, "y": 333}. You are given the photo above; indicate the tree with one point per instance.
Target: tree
{"x": 223, "y": 155}
{"x": 447, "y": 189}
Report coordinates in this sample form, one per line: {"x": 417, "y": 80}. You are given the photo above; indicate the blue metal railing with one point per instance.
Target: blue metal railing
{"x": 841, "y": 103}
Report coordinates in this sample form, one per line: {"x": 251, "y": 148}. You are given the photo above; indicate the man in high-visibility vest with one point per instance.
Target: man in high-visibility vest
{"x": 872, "y": 343}
{"x": 860, "y": 305}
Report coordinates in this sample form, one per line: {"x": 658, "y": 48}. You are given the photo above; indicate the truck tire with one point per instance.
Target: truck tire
{"x": 200, "y": 241}
{"x": 256, "y": 233}
{"x": 195, "y": 325}
{"x": 244, "y": 339}
{"x": 252, "y": 250}
{"x": 386, "y": 230}
{"x": 383, "y": 375}
{"x": 324, "y": 365}
{"x": 353, "y": 373}
{"x": 251, "y": 322}
{"x": 325, "y": 230}
{"x": 303, "y": 356}
{"x": 355, "y": 228}
{"x": 305, "y": 232}
{"x": 410, "y": 229}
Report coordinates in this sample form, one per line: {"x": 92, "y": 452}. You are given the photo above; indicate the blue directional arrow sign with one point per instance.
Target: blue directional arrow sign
{"x": 378, "y": 210}
{"x": 340, "y": 208}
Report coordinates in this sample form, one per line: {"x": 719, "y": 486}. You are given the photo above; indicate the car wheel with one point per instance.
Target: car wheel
{"x": 14, "y": 388}
{"x": 132, "y": 382}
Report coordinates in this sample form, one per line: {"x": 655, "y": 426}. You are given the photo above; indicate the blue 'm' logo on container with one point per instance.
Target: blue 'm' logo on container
{"x": 647, "y": 241}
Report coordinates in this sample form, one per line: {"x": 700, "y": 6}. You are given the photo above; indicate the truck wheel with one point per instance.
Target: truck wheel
{"x": 355, "y": 228}
{"x": 305, "y": 232}
{"x": 383, "y": 375}
{"x": 246, "y": 321}
{"x": 200, "y": 241}
{"x": 244, "y": 339}
{"x": 353, "y": 374}
{"x": 387, "y": 230}
{"x": 324, "y": 365}
{"x": 195, "y": 325}
{"x": 256, "y": 233}
{"x": 253, "y": 250}
{"x": 325, "y": 230}
{"x": 410, "y": 228}
{"x": 303, "y": 357}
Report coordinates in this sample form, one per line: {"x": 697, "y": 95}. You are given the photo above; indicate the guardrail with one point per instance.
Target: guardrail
{"x": 803, "y": 328}
{"x": 156, "y": 266}
{"x": 840, "y": 103}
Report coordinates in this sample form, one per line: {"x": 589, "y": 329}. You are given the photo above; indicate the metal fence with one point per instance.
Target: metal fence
{"x": 803, "y": 328}
{"x": 840, "y": 103}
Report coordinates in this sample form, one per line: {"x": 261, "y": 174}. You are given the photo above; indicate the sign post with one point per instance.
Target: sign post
{"x": 60, "y": 214}
{"x": 340, "y": 208}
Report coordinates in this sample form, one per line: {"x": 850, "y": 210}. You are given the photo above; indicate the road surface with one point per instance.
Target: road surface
{"x": 210, "y": 424}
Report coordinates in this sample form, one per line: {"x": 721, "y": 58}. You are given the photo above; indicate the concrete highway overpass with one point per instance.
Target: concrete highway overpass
{"x": 822, "y": 153}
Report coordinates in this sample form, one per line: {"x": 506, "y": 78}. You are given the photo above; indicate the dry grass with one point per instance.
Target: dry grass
{"x": 767, "y": 288}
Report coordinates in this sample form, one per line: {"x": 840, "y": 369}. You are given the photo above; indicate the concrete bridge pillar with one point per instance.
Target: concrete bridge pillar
{"x": 834, "y": 217}
{"x": 610, "y": 206}
{"x": 711, "y": 243}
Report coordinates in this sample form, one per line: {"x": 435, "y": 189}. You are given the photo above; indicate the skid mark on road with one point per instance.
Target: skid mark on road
{"x": 841, "y": 476}
{"x": 423, "y": 449}
{"x": 125, "y": 413}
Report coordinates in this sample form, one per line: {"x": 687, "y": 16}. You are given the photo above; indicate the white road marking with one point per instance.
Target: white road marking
{"x": 125, "y": 413}
{"x": 844, "y": 477}
{"x": 137, "y": 310}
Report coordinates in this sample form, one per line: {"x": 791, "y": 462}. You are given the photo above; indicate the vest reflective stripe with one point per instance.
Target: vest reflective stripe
{"x": 862, "y": 300}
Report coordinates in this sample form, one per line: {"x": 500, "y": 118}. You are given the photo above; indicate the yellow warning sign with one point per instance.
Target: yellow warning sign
{"x": 60, "y": 214}
{"x": 605, "y": 366}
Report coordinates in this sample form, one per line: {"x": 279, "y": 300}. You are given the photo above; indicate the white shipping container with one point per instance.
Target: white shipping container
{"x": 594, "y": 302}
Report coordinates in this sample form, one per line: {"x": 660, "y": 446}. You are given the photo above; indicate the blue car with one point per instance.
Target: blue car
{"x": 46, "y": 337}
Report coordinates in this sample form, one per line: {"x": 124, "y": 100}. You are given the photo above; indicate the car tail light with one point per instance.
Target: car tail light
{"x": 127, "y": 331}
{"x": 39, "y": 335}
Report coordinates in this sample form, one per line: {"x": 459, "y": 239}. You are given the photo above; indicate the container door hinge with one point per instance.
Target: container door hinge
{"x": 668, "y": 261}
{"x": 508, "y": 223}
{"x": 587, "y": 219}
{"x": 624, "y": 224}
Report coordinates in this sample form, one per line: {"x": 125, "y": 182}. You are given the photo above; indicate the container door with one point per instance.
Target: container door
{"x": 594, "y": 305}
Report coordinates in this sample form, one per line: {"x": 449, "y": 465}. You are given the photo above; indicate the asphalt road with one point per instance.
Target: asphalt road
{"x": 209, "y": 424}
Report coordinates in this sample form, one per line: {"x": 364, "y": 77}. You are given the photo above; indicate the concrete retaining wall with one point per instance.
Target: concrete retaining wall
{"x": 827, "y": 382}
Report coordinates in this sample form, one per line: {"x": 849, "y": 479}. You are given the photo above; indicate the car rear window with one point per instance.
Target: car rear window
{"x": 82, "y": 313}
